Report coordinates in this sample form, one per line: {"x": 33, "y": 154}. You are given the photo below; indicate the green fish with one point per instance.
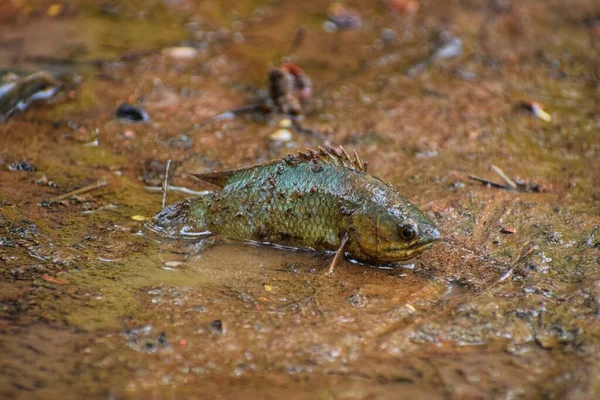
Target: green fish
{"x": 320, "y": 200}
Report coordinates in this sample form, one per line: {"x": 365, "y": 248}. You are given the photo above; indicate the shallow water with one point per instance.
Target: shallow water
{"x": 93, "y": 305}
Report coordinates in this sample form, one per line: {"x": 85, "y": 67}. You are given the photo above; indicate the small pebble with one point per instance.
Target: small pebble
{"x": 237, "y": 38}
{"x": 330, "y": 27}
{"x": 389, "y": 35}
{"x": 285, "y": 123}
{"x": 140, "y": 218}
{"x": 173, "y": 264}
{"x": 182, "y": 53}
{"x": 129, "y": 134}
{"x": 237, "y": 25}
{"x": 268, "y": 288}
{"x": 281, "y": 135}
{"x": 217, "y": 327}
{"x": 54, "y": 10}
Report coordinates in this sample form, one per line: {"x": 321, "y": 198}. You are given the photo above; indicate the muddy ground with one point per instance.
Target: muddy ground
{"x": 92, "y": 305}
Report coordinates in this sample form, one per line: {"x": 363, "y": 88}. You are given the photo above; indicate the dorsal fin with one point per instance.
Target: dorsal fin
{"x": 332, "y": 156}
{"x": 217, "y": 178}
{"x": 221, "y": 178}
{"x": 327, "y": 155}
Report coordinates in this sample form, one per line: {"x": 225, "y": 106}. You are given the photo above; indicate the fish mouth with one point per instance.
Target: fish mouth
{"x": 408, "y": 253}
{"x": 423, "y": 245}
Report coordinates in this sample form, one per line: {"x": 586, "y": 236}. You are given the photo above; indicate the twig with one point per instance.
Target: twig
{"x": 298, "y": 127}
{"x": 504, "y": 177}
{"x": 231, "y": 114}
{"x": 96, "y": 185}
{"x": 166, "y": 184}
{"x": 299, "y": 37}
{"x": 486, "y": 182}
{"x": 592, "y": 237}
{"x": 297, "y": 303}
{"x": 524, "y": 253}
{"x": 177, "y": 189}
{"x": 106, "y": 207}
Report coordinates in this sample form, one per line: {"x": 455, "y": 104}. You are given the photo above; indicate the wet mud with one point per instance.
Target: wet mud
{"x": 94, "y": 305}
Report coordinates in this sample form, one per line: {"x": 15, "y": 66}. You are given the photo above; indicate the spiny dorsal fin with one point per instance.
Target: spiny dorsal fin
{"x": 330, "y": 156}
{"x": 327, "y": 155}
{"x": 222, "y": 178}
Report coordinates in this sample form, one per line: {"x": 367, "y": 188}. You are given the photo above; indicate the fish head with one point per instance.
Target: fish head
{"x": 176, "y": 221}
{"x": 393, "y": 233}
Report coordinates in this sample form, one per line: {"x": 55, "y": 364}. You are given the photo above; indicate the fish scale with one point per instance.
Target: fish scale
{"x": 308, "y": 201}
{"x": 286, "y": 208}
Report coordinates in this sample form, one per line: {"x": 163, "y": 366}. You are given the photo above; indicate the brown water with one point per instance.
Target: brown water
{"x": 92, "y": 306}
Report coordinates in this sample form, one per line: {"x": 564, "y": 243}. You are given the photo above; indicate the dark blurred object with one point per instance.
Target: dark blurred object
{"x": 534, "y": 108}
{"x": 21, "y": 166}
{"x": 289, "y": 89}
{"x": 500, "y": 6}
{"x": 128, "y": 113}
{"x": 343, "y": 17}
{"x": 17, "y": 93}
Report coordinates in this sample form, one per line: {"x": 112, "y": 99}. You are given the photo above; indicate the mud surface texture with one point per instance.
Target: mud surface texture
{"x": 430, "y": 92}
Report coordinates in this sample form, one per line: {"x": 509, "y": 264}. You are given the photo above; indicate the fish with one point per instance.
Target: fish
{"x": 322, "y": 200}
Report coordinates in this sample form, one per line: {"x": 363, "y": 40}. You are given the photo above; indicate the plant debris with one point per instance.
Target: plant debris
{"x": 446, "y": 46}
{"x": 508, "y": 230}
{"x": 536, "y": 109}
{"x": 21, "y": 166}
{"x": 96, "y": 185}
{"x": 510, "y": 184}
{"x": 16, "y": 94}
{"x": 56, "y": 281}
{"x": 290, "y": 90}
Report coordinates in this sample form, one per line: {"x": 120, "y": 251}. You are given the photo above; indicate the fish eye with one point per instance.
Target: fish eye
{"x": 408, "y": 230}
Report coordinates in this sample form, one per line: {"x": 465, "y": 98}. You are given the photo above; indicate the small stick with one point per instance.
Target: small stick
{"x": 338, "y": 255}
{"x": 231, "y": 114}
{"x": 524, "y": 253}
{"x": 299, "y": 37}
{"x": 298, "y": 127}
{"x": 492, "y": 184}
{"x": 178, "y": 189}
{"x": 166, "y": 184}
{"x": 504, "y": 177}
{"x": 96, "y": 185}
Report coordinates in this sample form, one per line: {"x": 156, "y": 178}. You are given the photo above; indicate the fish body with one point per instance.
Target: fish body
{"x": 308, "y": 201}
